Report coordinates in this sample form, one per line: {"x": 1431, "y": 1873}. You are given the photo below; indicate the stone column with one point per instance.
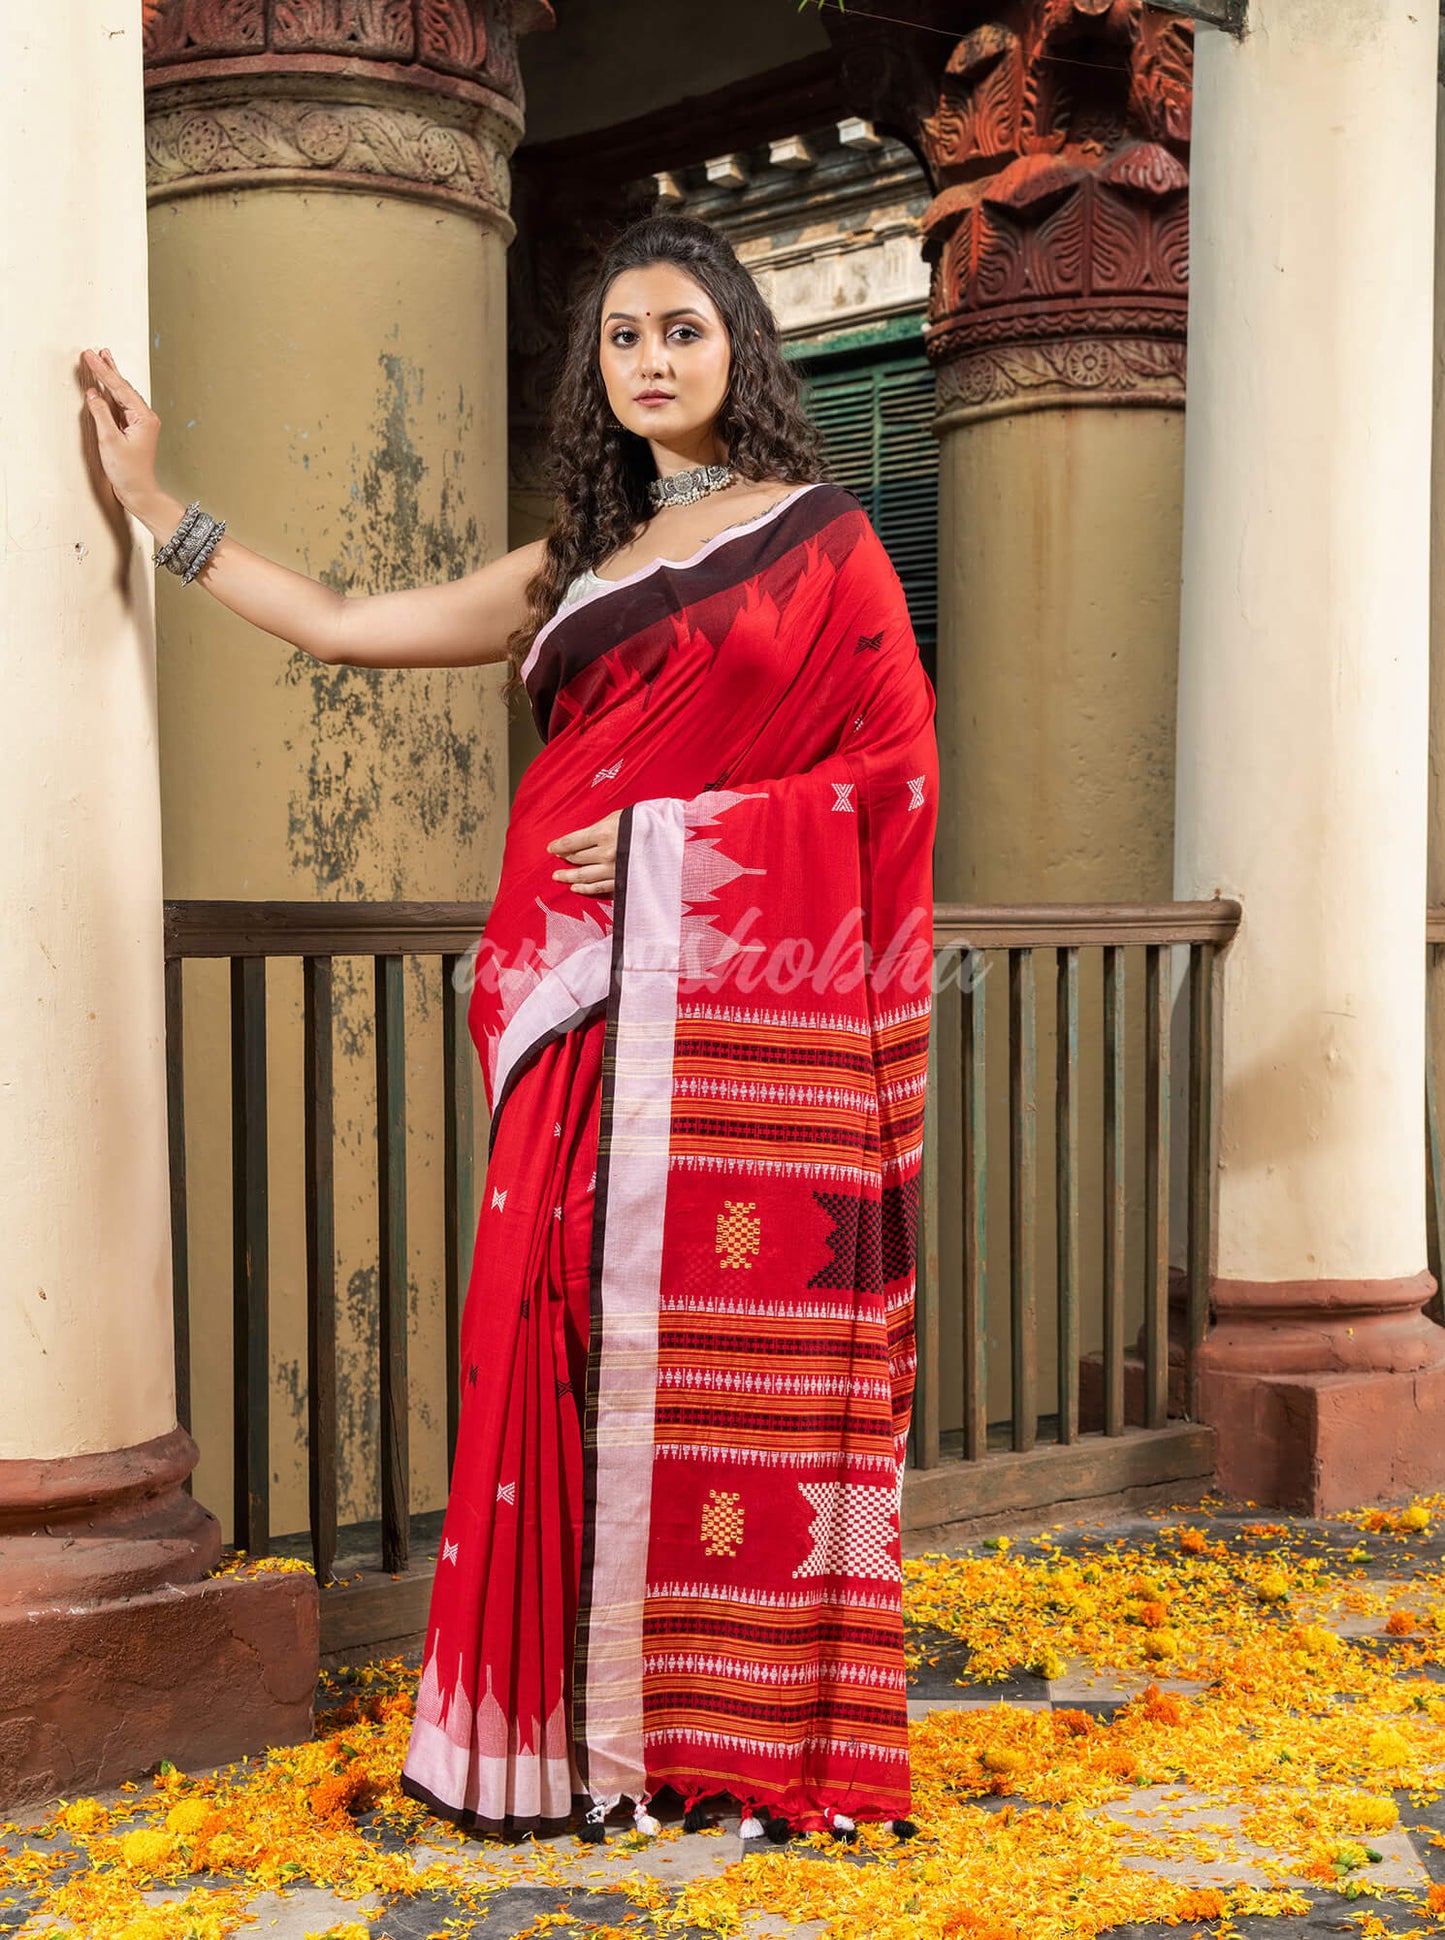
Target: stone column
{"x": 114, "y": 1648}
{"x": 1059, "y": 143}
{"x": 1056, "y": 134}
{"x": 1303, "y": 712}
{"x": 329, "y": 222}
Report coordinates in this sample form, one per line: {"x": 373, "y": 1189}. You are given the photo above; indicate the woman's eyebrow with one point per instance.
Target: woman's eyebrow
{"x": 626, "y": 316}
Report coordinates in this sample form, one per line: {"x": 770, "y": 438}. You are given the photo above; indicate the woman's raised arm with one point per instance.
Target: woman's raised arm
{"x": 463, "y": 623}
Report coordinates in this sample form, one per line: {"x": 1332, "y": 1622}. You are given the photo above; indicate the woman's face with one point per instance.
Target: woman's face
{"x": 665, "y": 359}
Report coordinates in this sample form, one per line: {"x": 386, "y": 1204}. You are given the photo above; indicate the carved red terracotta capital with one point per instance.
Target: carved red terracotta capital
{"x": 1057, "y": 137}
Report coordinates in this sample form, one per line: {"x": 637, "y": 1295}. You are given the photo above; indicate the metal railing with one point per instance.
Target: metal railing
{"x": 953, "y": 1306}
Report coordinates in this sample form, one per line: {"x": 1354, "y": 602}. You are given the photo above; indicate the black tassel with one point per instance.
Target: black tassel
{"x": 845, "y": 1835}
{"x": 904, "y": 1828}
{"x": 778, "y": 1830}
{"x": 592, "y": 1832}
{"x": 694, "y": 1819}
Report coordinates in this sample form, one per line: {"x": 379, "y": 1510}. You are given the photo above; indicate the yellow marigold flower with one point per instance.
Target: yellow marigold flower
{"x": 1387, "y": 1747}
{"x": 1161, "y": 1643}
{"x": 83, "y": 1815}
{"x": 145, "y": 1849}
{"x": 189, "y": 1816}
{"x": 1272, "y": 1587}
{"x": 999, "y": 1758}
{"x": 353, "y": 1930}
{"x": 1318, "y": 1641}
{"x": 1415, "y": 1517}
{"x": 1368, "y": 1812}
{"x": 1047, "y": 1663}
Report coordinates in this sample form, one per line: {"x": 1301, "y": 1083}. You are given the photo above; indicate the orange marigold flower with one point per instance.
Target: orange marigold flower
{"x": 1167, "y": 1707}
{"x": 342, "y": 1792}
{"x": 1154, "y": 1614}
{"x": 1192, "y": 1542}
{"x": 1401, "y": 1623}
{"x": 1435, "y": 1900}
{"x": 1201, "y": 1903}
{"x": 1074, "y": 1724}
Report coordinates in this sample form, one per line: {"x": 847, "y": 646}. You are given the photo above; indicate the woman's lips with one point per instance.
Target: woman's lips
{"x": 655, "y": 397}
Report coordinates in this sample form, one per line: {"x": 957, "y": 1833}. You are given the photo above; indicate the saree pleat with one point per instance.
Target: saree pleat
{"x": 504, "y": 1605}
{"x": 672, "y": 1548}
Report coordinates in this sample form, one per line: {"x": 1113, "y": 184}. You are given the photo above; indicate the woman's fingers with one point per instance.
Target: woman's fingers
{"x": 597, "y": 835}
{"x": 120, "y": 388}
{"x": 591, "y": 856}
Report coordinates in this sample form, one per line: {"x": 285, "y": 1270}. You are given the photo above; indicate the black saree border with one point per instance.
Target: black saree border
{"x": 509, "y": 1829}
{"x": 588, "y": 1561}
{"x": 576, "y": 640}
{"x": 577, "y": 1021}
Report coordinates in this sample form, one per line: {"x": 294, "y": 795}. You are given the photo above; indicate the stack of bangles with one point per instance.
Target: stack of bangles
{"x": 190, "y": 546}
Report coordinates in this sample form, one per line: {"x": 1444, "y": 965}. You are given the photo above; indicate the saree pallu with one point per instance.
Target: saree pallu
{"x": 671, "y": 1552}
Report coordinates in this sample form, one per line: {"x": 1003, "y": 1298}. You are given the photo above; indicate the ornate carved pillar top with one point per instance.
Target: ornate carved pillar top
{"x": 1057, "y": 136}
{"x": 421, "y": 98}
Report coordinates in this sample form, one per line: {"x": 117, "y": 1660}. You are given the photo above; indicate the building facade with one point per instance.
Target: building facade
{"x": 1184, "y": 659}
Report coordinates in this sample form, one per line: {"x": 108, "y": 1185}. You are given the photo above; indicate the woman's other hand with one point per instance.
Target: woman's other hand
{"x": 591, "y": 854}
{"x": 127, "y": 430}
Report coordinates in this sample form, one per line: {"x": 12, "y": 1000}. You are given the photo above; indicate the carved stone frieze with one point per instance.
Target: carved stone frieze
{"x": 1057, "y": 140}
{"x": 334, "y": 143}
{"x": 422, "y": 98}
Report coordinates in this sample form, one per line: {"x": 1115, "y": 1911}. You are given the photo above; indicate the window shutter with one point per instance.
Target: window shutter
{"x": 875, "y": 415}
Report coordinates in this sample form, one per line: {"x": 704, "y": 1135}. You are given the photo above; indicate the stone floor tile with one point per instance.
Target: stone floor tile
{"x": 290, "y": 1915}
{"x": 1212, "y": 1851}
{"x": 1081, "y": 1679}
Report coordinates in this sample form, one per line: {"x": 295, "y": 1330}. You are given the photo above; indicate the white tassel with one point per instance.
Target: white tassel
{"x": 840, "y": 1822}
{"x": 750, "y": 1828}
{"x": 644, "y": 1821}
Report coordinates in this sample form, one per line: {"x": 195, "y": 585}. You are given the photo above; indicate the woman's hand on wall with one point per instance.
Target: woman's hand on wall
{"x": 591, "y": 855}
{"x": 127, "y": 430}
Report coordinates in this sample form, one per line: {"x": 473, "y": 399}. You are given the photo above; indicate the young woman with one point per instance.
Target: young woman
{"x": 671, "y": 1550}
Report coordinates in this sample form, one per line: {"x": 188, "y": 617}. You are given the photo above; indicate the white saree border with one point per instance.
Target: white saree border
{"x": 630, "y": 1298}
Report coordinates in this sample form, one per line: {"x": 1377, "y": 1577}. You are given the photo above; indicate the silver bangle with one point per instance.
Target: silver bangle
{"x": 167, "y": 552}
{"x": 192, "y": 545}
{"x": 202, "y": 558}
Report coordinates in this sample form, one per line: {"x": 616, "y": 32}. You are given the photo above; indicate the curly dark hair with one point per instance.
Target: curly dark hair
{"x": 598, "y": 470}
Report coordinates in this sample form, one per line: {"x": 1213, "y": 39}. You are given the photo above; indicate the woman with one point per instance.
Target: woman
{"x": 671, "y": 1550}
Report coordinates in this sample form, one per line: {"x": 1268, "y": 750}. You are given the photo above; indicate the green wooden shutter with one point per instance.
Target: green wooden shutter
{"x": 875, "y": 414}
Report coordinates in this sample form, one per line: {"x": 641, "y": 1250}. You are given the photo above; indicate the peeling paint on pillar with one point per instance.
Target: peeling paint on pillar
{"x": 444, "y": 780}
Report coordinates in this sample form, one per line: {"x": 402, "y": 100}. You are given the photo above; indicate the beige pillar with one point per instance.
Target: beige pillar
{"x": 102, "y": 1554}
{"x": 1435, "y": 856}
{"x": 1302, "y": 735}
{"x": 328, "y": 229}
{"x": 1057, "y": 323}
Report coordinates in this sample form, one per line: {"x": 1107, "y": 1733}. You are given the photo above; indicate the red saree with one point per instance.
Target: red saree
{"x": 671, "y": 1552}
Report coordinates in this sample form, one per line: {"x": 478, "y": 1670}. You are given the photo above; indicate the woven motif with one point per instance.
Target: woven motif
{"x": 722, "y": 1523}
{"x": 739, "y": 1233}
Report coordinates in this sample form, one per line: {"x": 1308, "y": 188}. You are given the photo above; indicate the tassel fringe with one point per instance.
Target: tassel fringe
{"x": 592, "y": 1831}
{"x": 841, "y": 1826}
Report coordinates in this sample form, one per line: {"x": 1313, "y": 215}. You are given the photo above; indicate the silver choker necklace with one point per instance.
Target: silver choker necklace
{"x": 683, "y": 487}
